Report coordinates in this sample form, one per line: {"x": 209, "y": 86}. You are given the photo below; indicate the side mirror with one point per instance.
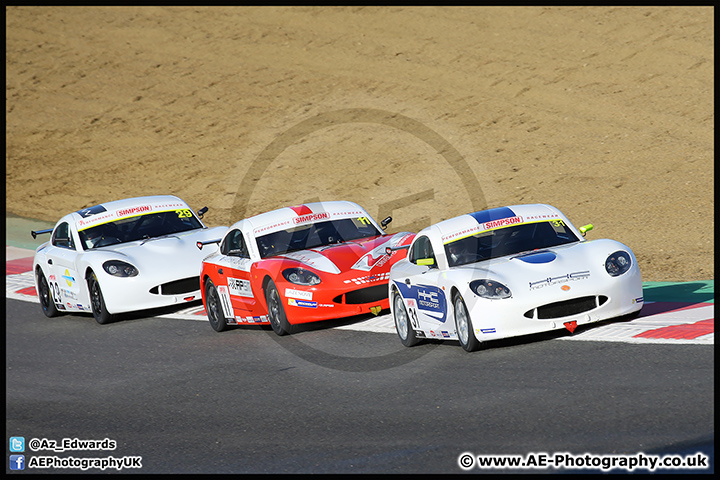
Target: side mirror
{"x": 202, "y": 212}
{"x": 586, "y": 228}
{"x": 385, "y": 222}
{"x": 390, "y": 250}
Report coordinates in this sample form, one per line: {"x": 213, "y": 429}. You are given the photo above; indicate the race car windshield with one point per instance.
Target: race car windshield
{"x": 141, "y": 227}
{"x": 510, "y": 240}
{"x": 315, "y": 235}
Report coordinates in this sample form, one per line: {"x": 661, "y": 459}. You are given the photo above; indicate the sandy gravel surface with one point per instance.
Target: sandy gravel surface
{"x": 421, "y": 113}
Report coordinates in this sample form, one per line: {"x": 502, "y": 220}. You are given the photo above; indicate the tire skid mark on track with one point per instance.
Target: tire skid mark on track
{"x": 685, "y": 318}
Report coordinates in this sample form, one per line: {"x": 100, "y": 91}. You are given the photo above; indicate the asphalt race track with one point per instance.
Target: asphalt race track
{"x": 345, "y": 396}
{"x": 332, "y": 399}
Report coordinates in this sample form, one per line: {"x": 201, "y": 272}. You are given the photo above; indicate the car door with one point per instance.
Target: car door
{"x": 234, "y": 273}
{"x": 418, "y": 283}
{"x": 63, "y": 277}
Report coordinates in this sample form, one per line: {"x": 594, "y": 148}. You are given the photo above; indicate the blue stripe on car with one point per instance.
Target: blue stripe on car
{"x": 492, "y": 214}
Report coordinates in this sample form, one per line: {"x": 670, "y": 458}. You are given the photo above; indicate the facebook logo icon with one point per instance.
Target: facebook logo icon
{"x": 17, "y": 462}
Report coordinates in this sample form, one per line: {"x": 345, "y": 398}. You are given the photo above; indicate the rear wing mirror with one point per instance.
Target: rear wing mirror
{"x": 35, "y": 233}
{"x": 202, "y": 212}
{"x": 200, "y": 244}
{"x": 385, "y": 222}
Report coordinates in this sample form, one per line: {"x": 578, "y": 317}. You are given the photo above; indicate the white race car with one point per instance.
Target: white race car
{"x": 123, "y": 256}
{"x": 507, "y": 272}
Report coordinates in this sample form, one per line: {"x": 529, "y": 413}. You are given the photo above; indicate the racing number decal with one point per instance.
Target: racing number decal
{"x": 55, "y": 292}
{"x": 559, "y": 226}
{"x": 413, "y": 317}
{"x": 363, "y": 220}
{"x": 184, "y": 213}
{"x": 225, "y": 301}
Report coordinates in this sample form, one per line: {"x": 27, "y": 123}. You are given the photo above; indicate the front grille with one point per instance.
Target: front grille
{"x": 567, "y": 308}
{"x": 178, "y": 287}
{"x": 363, "y": 295}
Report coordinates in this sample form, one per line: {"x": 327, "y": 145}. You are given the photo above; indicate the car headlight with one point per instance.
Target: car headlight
{"x": 300, "y": 276}
{"x": 490, "y": 289}
{"x": 120, "y": 269}
{"x": 618, "y": 263}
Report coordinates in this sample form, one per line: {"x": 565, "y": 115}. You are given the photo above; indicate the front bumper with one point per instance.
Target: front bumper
{"x": 124, "y": 295}
{"x": 312, "y": 304}
{"x": 556, "y": 309}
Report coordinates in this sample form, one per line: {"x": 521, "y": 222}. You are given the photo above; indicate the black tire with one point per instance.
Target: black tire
{"x": 213, "y": 308}
{"x": 464, "y": 326}
{"x": 403, "y": 324}
{"x": 276, "y": 312}
{"x": 97, "y": 302}
{"x": 45, "y": 295}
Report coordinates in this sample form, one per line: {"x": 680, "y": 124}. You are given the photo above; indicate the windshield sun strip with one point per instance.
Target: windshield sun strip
{"x": 478, "y": 232}
{"x": 131, "y": 216}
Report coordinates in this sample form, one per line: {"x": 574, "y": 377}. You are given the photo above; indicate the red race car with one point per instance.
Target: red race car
{"x": 300, "y": 264}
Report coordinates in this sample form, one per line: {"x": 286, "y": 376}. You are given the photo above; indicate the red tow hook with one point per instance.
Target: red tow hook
{"x": 571, "y": 326}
